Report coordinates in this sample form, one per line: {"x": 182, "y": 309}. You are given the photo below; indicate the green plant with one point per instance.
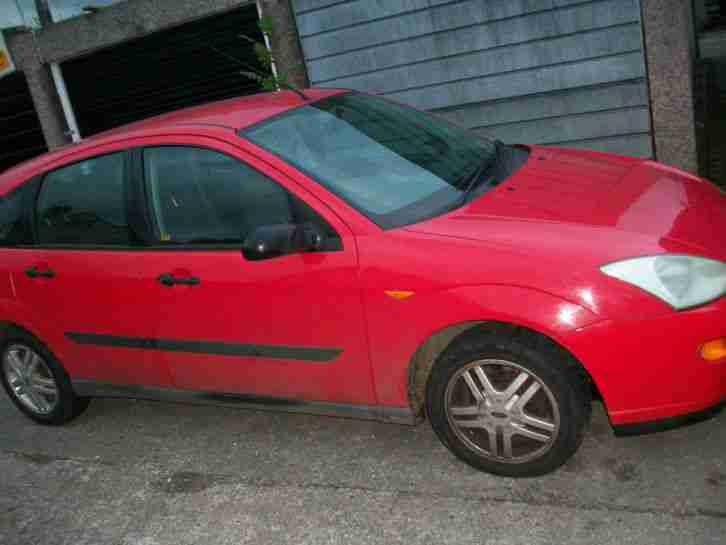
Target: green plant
{"x": 270, "y": 77}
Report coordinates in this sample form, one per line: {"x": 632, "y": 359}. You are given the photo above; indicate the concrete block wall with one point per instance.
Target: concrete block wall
{"x": 668, "y": 35}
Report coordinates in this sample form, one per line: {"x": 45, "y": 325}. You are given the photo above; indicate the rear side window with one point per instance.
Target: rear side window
{"x": 84, "y": 204}
{"x": 203, "y": 196}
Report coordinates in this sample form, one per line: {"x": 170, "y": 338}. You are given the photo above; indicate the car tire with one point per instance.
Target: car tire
{"x": 508, "y": 401}
{"x": 36, "y": 382}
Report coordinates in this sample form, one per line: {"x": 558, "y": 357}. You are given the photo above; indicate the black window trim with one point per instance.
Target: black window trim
{"x": 139, "y": 214}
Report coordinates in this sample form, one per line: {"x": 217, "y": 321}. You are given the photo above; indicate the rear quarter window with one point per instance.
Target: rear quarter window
{"x": 84, "y": 204}
{"x": 14, "y": 229}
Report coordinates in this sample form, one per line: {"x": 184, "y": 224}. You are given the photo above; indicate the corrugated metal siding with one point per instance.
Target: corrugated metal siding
{"x": 567, "y": 72}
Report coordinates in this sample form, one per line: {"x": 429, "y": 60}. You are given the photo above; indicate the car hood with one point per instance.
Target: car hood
{"x": 593, "y": 204}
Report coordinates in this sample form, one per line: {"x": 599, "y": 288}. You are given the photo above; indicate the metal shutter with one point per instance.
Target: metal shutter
{"x": 164, "y": 71}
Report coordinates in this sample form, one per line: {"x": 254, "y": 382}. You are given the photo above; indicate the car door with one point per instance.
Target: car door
{"x": 85, "y": 281}
{"x": 285, "y": 327}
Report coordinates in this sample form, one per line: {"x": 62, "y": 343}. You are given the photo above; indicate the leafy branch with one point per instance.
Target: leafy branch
{"x": 270, "y": 77}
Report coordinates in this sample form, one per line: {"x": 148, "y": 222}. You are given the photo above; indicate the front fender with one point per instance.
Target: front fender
{"x": 397, "y": 328}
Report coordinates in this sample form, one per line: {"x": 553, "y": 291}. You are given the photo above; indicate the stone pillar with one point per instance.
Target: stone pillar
{"x": 45, "y": 99}
{"x": 285, "y": 43}
{"x": 667, "y": 29}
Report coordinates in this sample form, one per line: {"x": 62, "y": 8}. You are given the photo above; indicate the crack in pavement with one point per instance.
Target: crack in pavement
{"x": 220, "y": 480}
{"x": 39, "y": 458}
{"x": 189, "y": 482}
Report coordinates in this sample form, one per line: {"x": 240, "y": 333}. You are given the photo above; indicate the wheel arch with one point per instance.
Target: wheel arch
{"x": 426, "y": 355}
{"x": 8, "y": 326}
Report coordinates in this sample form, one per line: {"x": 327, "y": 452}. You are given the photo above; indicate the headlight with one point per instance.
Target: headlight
{"x": 682, "y": 281}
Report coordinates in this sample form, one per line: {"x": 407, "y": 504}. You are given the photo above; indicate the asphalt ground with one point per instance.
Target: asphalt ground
{"x": 146, "y": 473}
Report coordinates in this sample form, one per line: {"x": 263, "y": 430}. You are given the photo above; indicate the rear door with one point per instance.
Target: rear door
{"x": 86, "y": 281}
{"x": 290, "y": 326}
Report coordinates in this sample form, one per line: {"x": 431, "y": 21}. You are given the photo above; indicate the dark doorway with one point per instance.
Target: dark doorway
{"x": 20, "y": 134}
{"x": 710, "y": 88}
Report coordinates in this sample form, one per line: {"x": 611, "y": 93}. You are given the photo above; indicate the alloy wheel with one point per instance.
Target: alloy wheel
{"x": 502, "y": 411}
{"x": 30, "y": 379}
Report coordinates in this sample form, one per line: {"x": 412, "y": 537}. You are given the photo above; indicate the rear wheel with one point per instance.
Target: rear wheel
{"x": 36, "y": 382}
{"x": 508, "y": 404}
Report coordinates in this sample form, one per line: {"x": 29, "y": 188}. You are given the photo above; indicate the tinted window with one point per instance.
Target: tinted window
{"x": 13, "y": 229}
{"x": 203, "y": 196}
{"x": 84, "y": 204}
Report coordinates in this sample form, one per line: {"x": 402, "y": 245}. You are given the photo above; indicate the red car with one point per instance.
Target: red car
{"x": 337, "y": 253}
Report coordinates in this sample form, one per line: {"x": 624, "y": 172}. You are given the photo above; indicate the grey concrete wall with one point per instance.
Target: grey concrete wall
{"x": 668, "y": 33}
{"x": 24, "y": 50}
{"x": 121, "y": 22}
{"x": 567, "y": 72}
{"x": 284, "y": 42}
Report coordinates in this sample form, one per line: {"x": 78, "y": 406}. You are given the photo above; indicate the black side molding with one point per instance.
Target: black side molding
{"x": 665, "y": 424}
{"x": 303, "y": 353}
{"x": 394, "y": 415}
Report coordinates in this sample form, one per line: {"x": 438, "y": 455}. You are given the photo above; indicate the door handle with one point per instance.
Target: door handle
{"x": 33, "y": 272}
{"x": 165, "y": 279}
{"x": 188, "y": 281}
{"x": 168, "y": 279}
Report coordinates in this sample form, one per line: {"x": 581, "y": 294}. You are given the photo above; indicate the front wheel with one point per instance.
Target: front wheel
{"x": 513, "y": 406}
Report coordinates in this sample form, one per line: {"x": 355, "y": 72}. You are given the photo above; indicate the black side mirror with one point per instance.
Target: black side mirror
{"x": 281, "y": 239}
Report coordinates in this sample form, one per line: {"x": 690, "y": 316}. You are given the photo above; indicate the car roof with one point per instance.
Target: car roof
{"x": 234, "y": 113}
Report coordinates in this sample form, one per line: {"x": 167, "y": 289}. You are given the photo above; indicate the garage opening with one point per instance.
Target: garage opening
{"x": 20, "y": 134}
{"x": 710, "y": 88}
{"x": 184, "y": 66}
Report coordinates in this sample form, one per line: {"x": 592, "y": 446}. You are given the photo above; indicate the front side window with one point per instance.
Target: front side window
{"x": 84, "y": 204}
{"x": 393, "y": 163}
{"x": 203, "y": 196}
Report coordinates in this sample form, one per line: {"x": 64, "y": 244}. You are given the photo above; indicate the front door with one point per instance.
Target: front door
{"x": 288, "y": 326}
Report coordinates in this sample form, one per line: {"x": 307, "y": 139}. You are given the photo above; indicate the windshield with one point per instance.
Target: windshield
{"x": 394, "y": 164}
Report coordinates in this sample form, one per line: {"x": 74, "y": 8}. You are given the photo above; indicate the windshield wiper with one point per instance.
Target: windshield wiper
{"x": 472, "y": 181}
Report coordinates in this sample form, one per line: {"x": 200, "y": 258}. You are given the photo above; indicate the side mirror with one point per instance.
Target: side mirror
{"x": 281, "y": 239}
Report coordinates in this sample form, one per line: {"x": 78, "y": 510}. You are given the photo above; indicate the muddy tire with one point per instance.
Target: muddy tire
{"x": 508, "y": 402}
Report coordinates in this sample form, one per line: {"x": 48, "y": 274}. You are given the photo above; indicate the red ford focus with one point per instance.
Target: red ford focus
{"x": 341, "y": 254}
